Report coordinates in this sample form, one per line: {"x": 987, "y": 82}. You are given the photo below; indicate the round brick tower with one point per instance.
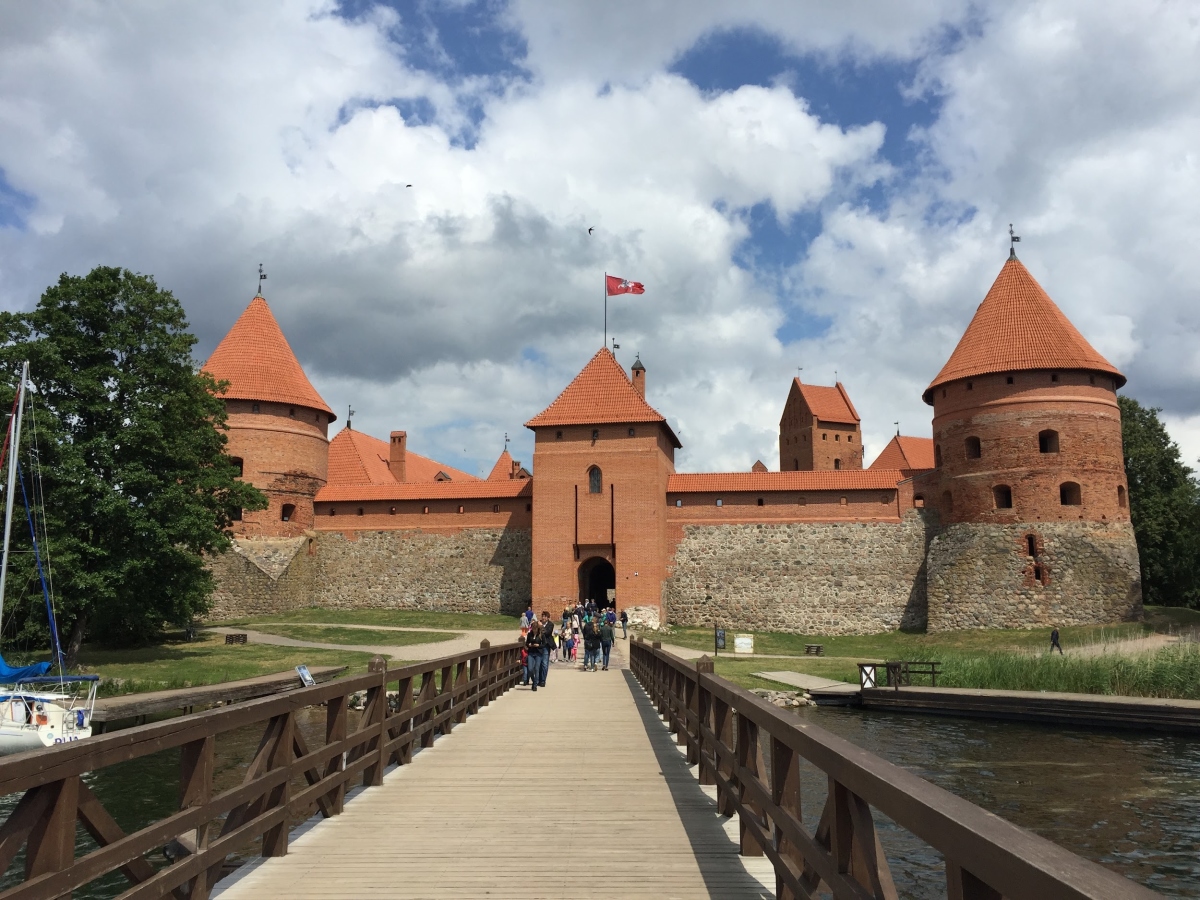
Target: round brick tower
{"x": 1030, "y": 488}
{"x": 278, "y": 423}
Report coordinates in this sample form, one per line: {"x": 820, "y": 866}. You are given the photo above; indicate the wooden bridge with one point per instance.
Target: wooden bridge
{"x": 658, "y": 780}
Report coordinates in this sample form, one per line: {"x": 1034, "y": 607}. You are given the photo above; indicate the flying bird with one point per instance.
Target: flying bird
{"x": 408, "y": 185}
{"x": 590, "y": 230}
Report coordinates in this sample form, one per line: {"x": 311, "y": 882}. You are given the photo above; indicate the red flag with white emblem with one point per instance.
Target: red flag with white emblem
{"x": 614, "y": 284}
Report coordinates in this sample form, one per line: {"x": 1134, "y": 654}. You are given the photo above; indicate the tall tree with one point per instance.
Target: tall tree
{"x": 130, "y": 447}
{"x": 1164, "y": 504}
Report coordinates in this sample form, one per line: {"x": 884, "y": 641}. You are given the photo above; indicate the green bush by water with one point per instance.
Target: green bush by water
{"x": 1171, "y": 672}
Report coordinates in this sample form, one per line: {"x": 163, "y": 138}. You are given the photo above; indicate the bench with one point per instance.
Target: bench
{"x": 900, "y": 672}
{"x": 814, "y": 649}
{"x": 235, "y": 638}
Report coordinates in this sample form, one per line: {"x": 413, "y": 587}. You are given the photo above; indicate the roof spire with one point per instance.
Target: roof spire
{"x": 262, "y": 276}
{"x": 1012, "y": 242}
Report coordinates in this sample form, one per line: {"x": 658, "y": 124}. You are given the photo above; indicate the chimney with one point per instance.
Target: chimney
{"x": 638, "y": 371}
{"x": 398, "y": 457}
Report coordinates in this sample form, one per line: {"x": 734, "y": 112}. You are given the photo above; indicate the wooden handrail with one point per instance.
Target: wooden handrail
{"x": 267, "y": 802}
{"x": 732, "y": 734}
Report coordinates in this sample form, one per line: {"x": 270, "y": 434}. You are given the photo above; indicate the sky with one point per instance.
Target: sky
{"x": 812, "y": 189}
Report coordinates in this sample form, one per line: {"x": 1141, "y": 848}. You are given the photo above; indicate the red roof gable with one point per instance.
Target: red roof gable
{"x": 503, "y": 469}
{"x": 356, "y": 458}
{"x": 829, "y": 404}
{"x": 748, "y": 482}
{"x": 1018, "y": 327}
{"x": 601, "y": 394}
{"x": 257, "y": 361}
{"x": 903, "y": 452}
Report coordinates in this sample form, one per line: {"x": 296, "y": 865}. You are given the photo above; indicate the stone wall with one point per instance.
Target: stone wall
{"x": 472, "y": 570}
{"x": 809, "y": 578}
{"x": 984, "y": 576}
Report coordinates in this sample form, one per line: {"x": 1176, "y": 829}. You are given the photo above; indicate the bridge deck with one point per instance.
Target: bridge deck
{"x": 576, "y": 790}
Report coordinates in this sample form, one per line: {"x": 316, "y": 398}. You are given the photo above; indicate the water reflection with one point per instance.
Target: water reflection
{"x": 1124, "y": 799}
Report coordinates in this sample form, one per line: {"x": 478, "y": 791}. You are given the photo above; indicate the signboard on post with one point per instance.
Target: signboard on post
{"x": 718, "y": 640}
{"x": 305, "y": 676}
{"x": 743, "y": 643}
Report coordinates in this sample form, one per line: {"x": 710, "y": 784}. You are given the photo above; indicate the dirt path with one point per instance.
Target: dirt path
{"x": 466, "y": 640}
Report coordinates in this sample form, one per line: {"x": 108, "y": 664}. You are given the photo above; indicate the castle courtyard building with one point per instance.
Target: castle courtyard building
{"x": 1013, "y": 514}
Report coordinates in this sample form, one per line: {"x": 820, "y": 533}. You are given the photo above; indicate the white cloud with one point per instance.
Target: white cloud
{"x": 195, "y": 141}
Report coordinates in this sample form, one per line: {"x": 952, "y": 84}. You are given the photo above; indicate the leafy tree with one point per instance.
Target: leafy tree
{"x": 130, "y": 446}
{"x": 1164, "y": 504}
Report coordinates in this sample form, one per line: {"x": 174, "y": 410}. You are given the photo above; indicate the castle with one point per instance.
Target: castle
{"x": 1014, "y": 514}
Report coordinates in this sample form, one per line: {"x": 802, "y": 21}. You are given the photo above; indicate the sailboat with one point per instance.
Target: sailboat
{"x": 37, "y": 709}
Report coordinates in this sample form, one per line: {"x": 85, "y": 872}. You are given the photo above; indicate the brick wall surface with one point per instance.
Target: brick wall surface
{"x": 484, "y": 570}
{"x": 1079, "y": 573}
{"x": 811, "y": 578}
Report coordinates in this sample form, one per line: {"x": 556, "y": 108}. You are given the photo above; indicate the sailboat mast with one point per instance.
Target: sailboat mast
{"x": 14, "y": 437}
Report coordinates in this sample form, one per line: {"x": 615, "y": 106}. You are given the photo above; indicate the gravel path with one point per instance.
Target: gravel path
{"x": 466, "y": 640}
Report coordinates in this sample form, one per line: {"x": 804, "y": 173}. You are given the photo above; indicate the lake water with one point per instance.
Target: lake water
{"x": 1126, "y": 800}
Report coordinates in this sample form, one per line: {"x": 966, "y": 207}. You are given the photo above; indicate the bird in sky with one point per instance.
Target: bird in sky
{"x": 408, "y": 185}
{"x": 590, "y": 230}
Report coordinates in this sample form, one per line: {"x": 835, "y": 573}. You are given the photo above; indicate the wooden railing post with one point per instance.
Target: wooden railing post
{"x": 962, "y": 885}
{"x": 723, "y": 728}
{"x": 446, "y": 697}
{"x": 275, "y": 840}
{"x": 51, "y": 846}
{"x": 404, "y": 712}
{"x": 458, "y": 699}
{"x": 372, "y": 722}
{"x": 335, "y": 731}
{"x": 195, "y": 789}
{"x": 701, "y": 705}
{"x": 477, "y": 669}
{"x": 749, "y": 757}
{"x": 428, "y": 692}
{"x": 785, "y": 793}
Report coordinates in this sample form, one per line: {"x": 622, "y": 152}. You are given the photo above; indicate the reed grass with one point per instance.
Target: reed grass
{"x": 1170, "y": 672}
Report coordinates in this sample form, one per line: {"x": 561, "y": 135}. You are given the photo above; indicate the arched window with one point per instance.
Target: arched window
{"x": 795, "y": 465}
{"x": 973, "y": 448}
{"x": 919, "y": 501}
{"x": 1002, "y": 496}
{"x": 947, "y": 502}
{"x": 360, "y": 511}
{"x": 236, "y": 515}
{"x": 1048, "y": 441}
{"x": 937, "y": 454}
{"x": 837, "y": 463}
{"x": 237, "y": 461}
{"x": 289, "y": 510}
{"x": 760, "y": 501}
{"x": 254, "y": 408}
{"x": 595, "y": 480}
{"x": 1121, "y": 496}
{"x": 1069, "y": 494}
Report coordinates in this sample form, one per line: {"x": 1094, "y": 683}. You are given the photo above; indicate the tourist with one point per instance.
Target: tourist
{"x": 533, "y": 646}
{"x": 569, "y": 645}
{"x": 530, "y": 615}
{"x": 607, "y": 636}
{"x": 1054, "y": 642}
{"x": 610, "y": 616}
{"x": 624, "y": 624}
{"x": 591, "y": 646}
{"x": 548, "y": 644}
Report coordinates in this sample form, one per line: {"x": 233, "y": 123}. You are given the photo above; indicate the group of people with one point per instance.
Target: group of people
{"x": 548, "y": 642}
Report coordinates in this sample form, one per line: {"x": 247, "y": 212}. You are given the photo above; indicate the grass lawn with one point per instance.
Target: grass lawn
{"x": 907, "y": 645}
{"x": 207, "y": 660}
{"x": 741, "y": 671}
{"x": 327, "y": 634}
{"x": 397, "y": 618}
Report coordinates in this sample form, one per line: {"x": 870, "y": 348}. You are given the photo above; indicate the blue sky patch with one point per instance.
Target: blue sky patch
{"x": 15, "y": 205}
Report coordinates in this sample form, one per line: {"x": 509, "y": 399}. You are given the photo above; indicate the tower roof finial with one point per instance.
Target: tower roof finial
{"x": 262, "y": 276}
{"x": 1012, "y": 242}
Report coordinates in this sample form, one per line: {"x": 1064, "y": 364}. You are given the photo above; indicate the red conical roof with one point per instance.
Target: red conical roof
{"x": 257, "y": 361}
{"x": 1018, "y": 327}
{"x": 503, "y": 469}
{"x": 601, "y": 394}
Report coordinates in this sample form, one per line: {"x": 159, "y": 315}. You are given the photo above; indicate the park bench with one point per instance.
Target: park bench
{"x": 900, "y": 672}
{"x": 235, "y": 638}
{"x": 814, "y": 649}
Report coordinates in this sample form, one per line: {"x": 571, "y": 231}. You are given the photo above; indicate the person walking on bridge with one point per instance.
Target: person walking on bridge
{"x": 533, "y": 647}
{"x": 591, "y": 646}
{"x": 606, "y": 641}
{"x": 548, "y": 644}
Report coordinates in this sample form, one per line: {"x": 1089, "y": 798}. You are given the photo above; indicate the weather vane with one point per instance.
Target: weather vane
{"x": 616, "y": 346}
{"x": 262, "y": 276}
{"x": 1013, "y": 240}
{"x": 897, "y": 424}
{"x": 349, "y": 414}
{"x": 506, "y": 440}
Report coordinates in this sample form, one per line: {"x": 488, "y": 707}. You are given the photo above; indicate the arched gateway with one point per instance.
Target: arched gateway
{"x": 596, "y": 578}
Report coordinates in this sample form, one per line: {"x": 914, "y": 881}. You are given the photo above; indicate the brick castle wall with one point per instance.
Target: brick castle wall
{"x": 805, "y": 577}
{"x": 478, "y": 570}
{"x": 1078, "y": 573}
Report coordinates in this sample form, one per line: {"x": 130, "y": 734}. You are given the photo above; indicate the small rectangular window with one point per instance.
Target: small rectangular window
{"x": 461, "y": 509}
{"x": 720, "y": 502}
{"x": 1008, "y": 380}
{"x": 495, "y": 507}
{"x": 970, "y": 385}
{"x": 678, "y": 503}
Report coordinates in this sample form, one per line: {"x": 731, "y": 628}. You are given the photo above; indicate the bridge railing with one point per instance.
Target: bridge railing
{"x": 751, "y": 751}
{"x": 285, "y": 783}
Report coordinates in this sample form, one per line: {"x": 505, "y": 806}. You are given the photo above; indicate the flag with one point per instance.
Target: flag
{"x": 616, "y": 285}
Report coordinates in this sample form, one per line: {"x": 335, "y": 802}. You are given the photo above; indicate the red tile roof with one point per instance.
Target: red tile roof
{"x": 749, "y": 482}
{"x": 600, "y": 394}
{"x": 1018, "y": 327}
{"x": 904, "y": 452}
{"x": 433, "y": 490}
{"x": 503, "y": 469}
{"x": 257, "y": 361}
{"x": 829, "y": 404}
{"x": 356, "y": 458}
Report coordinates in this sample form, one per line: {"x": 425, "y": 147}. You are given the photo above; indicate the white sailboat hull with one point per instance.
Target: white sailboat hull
{"x": 35, "y": 721}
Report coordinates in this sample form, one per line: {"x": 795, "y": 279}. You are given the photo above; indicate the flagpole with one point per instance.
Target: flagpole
{"x": 606, "y": 309}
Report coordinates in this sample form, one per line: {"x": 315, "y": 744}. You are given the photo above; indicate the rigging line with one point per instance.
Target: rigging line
{"x": 39, "y": 492}
{"x": 57, "y": 644}
{"x": 12, "y": 416}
